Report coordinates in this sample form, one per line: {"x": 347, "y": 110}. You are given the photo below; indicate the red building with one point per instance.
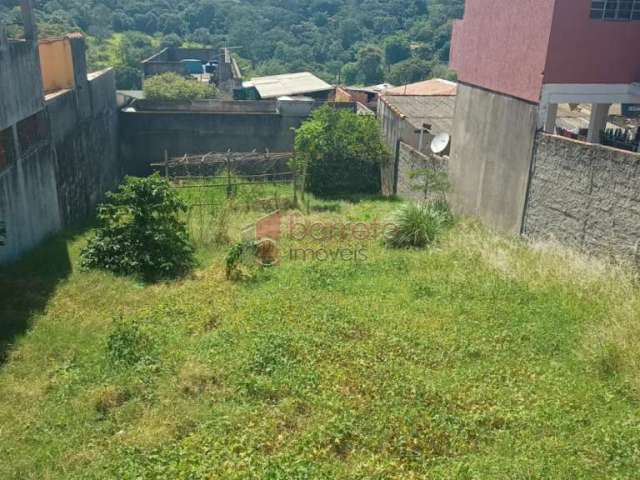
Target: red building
{"x": 517, "y": 60}
{"x": 551, "y": 52}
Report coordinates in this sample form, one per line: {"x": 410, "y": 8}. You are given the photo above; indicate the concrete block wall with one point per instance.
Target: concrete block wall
{"x": 394, "y": 129}
{"x": 28, "y": 202}
{"x": 410, "y": 160}
{"x": 58, "y": 181}
{"x": 584, "y": 195}
{"x": 144, "y": 136}
{"x": 20, "y": 81}
{"x": 85, "y": 140}
{"x": 210, "y": 106}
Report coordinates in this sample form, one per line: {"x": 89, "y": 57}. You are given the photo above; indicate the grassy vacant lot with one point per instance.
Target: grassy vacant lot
{"x": 481, "y": 358}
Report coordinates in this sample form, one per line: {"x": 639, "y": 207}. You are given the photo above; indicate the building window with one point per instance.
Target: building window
{"x": 7, "y": 150}
{"x": 615, "y": 10}
{"x": 33, "y": 131}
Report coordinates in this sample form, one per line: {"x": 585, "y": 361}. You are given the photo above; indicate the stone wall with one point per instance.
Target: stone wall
{"x": 584, "y": 195}
{"x": 410, "y": 160}
{"x": 490, "y": 158}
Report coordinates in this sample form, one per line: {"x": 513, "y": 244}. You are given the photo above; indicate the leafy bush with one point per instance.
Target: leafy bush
{"x": 171, "y": 87}
{"x": 140, "y": 232}
{"x": 339, "y": 152}
{"x": 418, "y": 224}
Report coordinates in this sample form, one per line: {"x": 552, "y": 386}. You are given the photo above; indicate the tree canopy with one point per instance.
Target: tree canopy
{"x": 339, "y": 152}
{"x": 271, "y": 36}
{"x": 171, "y": 87}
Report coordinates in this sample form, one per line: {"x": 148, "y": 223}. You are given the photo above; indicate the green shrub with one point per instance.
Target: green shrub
{"x": 128, "y": 344}
{"x": 240, "y": 255}
{"x": 339, "y": 152}
{"x": 418, "y": 224}
{"x": 171, "y": 87}
{"x": 140, "y": 232}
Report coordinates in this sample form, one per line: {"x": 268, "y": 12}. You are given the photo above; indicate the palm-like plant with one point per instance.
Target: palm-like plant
{"x": 418, "y": 224}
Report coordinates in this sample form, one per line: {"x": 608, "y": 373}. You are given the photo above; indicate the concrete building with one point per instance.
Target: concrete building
{"x": 58, "y": 136}
{"x": 204, "y": 64}
{"x": 367, "y": 97}
{"x": 410, "y": 117}
{"x": 516, "y": 61}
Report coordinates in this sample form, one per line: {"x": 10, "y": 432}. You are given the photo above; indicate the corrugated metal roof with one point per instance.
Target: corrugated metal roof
{"x": 288, "y": 84}
{"x": 436, "y": 86}
{"x": 372, "y": 89}
{"x": 419, "y": 109}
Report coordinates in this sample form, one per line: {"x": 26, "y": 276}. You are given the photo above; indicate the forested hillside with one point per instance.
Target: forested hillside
{"x": 351, "y": 41}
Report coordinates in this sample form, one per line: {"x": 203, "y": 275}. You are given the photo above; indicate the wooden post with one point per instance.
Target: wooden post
{"x": 228, "y": 162}
{"x": 166, "y": 165}
{"x": 295, "y": 188}
{"x": 29, "y": 21}
{"x": 303, "y": 187}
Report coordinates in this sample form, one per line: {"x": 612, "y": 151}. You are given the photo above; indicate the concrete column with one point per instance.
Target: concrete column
{"x": 598, "y": 122}
{"x": 547, "y": 114}
{"x": 4, "y": 41}
{"x": 550, "y": 121}
{"x": 29, "y": 20}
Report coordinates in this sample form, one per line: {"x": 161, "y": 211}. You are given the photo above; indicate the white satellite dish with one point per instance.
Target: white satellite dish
{"x": 441, "y": 144}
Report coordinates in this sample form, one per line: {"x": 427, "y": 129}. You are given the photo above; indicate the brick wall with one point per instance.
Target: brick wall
{"x": 584, "y": 195}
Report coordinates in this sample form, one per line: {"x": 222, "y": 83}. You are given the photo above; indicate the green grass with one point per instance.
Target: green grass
{"x": 481, "y": 357}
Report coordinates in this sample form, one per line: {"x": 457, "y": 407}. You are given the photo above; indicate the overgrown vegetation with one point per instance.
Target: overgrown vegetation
{"x": 481, "y": 357}
{"x": 239, "y": 254}
{"x": 418, "y": 225}
{"x": 346, "y": 40}
{"x": 171, "y": 87}
{"x": 140, "y": 232}
{"x": 339, "y": 152}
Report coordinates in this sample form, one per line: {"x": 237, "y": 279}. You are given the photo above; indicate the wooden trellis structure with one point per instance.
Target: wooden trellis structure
{"x": 228, "y": 171}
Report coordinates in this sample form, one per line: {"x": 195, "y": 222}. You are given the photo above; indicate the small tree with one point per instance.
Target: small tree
{"x": 430, "y": 182}
{"x": 171, "y": 87}
{"x": 339, "y": 152}
{"x": 140, "y": 232}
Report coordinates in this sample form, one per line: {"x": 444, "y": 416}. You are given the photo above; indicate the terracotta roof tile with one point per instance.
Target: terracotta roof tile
{"x": 434, "y": 87}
